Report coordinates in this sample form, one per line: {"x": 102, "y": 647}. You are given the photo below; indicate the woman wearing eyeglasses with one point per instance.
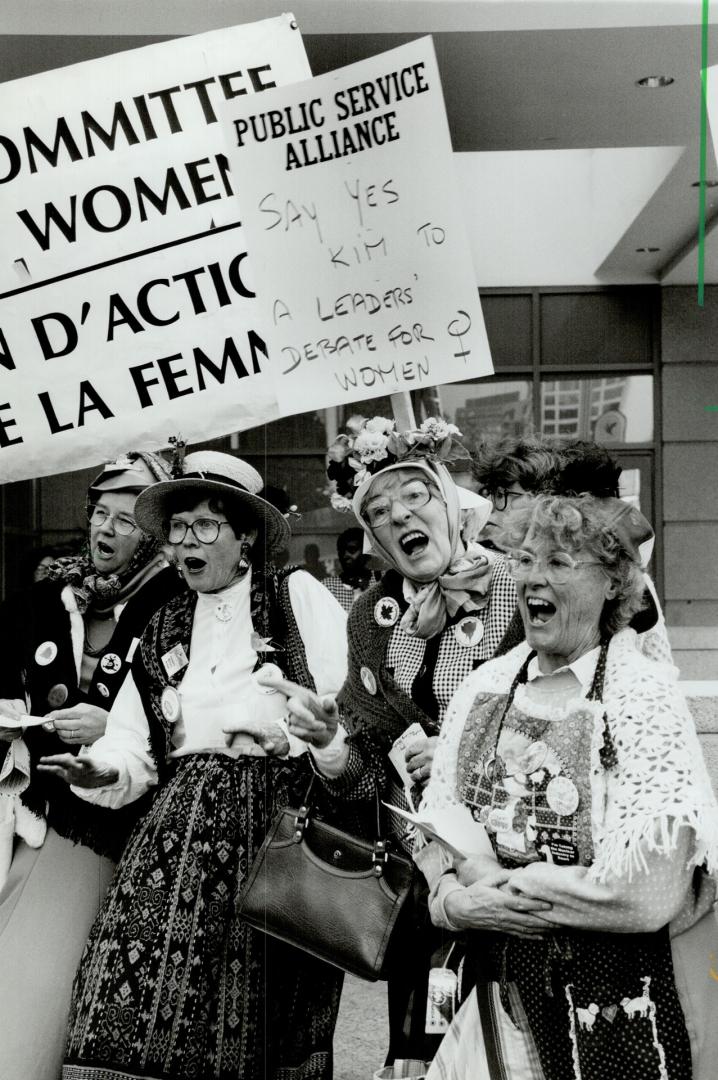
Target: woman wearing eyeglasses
{"x": 440, "y": 610}
{"x": 591, "y": 908}
{"x": 64, "y": 650}
{"x": 506, "y": 469}
{"x": 172, "y": 983}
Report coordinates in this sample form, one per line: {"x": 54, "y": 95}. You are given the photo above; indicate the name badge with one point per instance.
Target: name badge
{"x": 174, "y": 660}
{"x": 131, "y": 651}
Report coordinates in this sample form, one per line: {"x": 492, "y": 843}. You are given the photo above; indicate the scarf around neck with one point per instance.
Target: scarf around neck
{"x": 102, "y": 592}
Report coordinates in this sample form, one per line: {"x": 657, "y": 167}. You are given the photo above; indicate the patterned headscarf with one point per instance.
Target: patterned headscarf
{"x": 131, "y": 472}
{"x": 463, "y": 583}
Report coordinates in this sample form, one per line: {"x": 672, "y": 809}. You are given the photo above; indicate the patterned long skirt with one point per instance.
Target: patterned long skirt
{"x": 172, "y": 984}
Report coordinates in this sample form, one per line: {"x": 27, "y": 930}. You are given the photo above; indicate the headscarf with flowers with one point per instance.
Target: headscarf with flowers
{"x": 372, "y": 447}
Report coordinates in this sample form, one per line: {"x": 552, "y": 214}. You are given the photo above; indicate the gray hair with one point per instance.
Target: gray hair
{"x": 573, "y": 523}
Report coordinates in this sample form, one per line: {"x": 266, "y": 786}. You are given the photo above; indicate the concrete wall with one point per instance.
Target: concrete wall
{"x": 689, "y": 385}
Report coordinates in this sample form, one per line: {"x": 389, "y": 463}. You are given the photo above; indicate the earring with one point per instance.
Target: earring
{"x": 244, "y": 563}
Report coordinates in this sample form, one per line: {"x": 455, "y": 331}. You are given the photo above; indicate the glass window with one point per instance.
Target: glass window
{"x": 612, "y": 411}
{"x": 303, "y": 478}
{"x": 486, "y": 409}
{"x": 305, "y": 431}
{"x": 592, "y": 329}
{"x": 379, "y": 406}
{"x": 508, "y": 328}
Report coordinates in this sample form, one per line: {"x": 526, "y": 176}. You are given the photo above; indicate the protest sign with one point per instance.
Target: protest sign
{"x": 359, "y": 251}
{"x": 127, "y": 297}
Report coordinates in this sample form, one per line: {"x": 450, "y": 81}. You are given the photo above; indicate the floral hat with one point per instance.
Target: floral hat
{"x": 369, "y": 446}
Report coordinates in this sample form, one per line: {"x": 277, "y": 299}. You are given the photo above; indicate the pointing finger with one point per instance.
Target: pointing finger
{"x": 271, "y": 676}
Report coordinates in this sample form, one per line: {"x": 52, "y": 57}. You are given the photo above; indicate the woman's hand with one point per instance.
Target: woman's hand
{"x": 489, "y": 906}
{"x": 419, "y": 757}
{"x": 270, "y": 736}
{"x": 481, "y": 869}
{"x": 576, "y": 900}
{"x": 312, "y": 718}
{"x": 15, "y": 709}
{"x": 79, "y": 725}
{"x": 81, "y": 771}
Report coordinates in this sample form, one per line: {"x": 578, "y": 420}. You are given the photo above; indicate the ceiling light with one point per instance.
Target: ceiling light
{"x": 653, "y": 82}
{"x": 705, "y": 183}
{"x": 647, "y": 250}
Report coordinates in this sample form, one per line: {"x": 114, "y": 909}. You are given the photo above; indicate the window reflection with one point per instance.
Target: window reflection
{"x": 613, "y": 410}
{"x": 486, "y": 410}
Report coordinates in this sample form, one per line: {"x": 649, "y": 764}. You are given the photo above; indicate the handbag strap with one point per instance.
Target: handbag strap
{"x": 380, "y": 854}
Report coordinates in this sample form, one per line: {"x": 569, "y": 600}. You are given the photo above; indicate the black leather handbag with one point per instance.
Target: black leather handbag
{"x": 331, "y": 894}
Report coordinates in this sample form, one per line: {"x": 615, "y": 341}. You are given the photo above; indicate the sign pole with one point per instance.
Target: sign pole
{"x": 403, "y": 409}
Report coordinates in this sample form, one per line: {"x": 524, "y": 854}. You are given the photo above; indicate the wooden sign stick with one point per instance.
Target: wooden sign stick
{"x": 403, "y": 410}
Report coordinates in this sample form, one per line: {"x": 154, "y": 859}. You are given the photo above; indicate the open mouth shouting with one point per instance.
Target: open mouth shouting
{"x": 193, "y": 565}
{"x": 540, "y": 611}
{"x": 414, "y": 543}
{"x": 103, "y": 550}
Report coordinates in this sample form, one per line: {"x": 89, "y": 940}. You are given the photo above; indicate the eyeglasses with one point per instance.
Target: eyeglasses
{"x": 123, "y": 526}
{"x": 412, "y": 495}
{"x": 501, "y": 497}
{"x": 205, "y": 530}
{"x": 557, "y": 567}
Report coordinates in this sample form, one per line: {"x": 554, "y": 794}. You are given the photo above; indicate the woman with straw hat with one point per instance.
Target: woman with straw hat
{"x": 172, "y": 983}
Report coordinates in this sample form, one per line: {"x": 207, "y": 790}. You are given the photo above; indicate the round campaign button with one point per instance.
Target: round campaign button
{"x": 171, "y": 705}
{"x": 500, "y": 819}
{"x": 562, "y": 795}
{"x": 534, "y": 757}
{"x": 469, "y": 631}
{"x": 369, "y": 680}
{"x": 110, "y": 663}
{"x": 103, "y": 690}
{"x": 386, "y": 611}
{"x": 45, "y": 653}
{"x": 57, "y": 696}
{"x": 223, "y": 611}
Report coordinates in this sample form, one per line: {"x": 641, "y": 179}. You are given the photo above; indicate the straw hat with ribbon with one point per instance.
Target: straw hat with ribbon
{"x": 207, "y": 473}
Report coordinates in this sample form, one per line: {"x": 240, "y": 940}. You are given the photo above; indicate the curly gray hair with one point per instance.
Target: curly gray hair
{"x": 576, "y": 523}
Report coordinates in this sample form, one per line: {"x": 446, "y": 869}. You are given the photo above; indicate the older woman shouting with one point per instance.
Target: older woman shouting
{"x": 440, "y": 611}
{"x": 171, "y": 983}
{"x": 65, "y": 645}
{"x": 580, "y": 758}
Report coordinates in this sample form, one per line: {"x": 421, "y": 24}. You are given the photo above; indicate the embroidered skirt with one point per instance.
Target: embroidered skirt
{"x": 172, "y": 985}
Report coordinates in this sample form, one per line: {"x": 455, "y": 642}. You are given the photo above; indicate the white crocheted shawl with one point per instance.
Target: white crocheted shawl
{"x": 660, "y": 782}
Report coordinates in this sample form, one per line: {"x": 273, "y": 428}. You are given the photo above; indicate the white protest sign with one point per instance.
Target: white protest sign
{"x": 127, "y": 309}
{"x": 359, "y": 250}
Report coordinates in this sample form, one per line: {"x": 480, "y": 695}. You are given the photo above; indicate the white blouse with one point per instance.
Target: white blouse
{"x": 219, "y": 685}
